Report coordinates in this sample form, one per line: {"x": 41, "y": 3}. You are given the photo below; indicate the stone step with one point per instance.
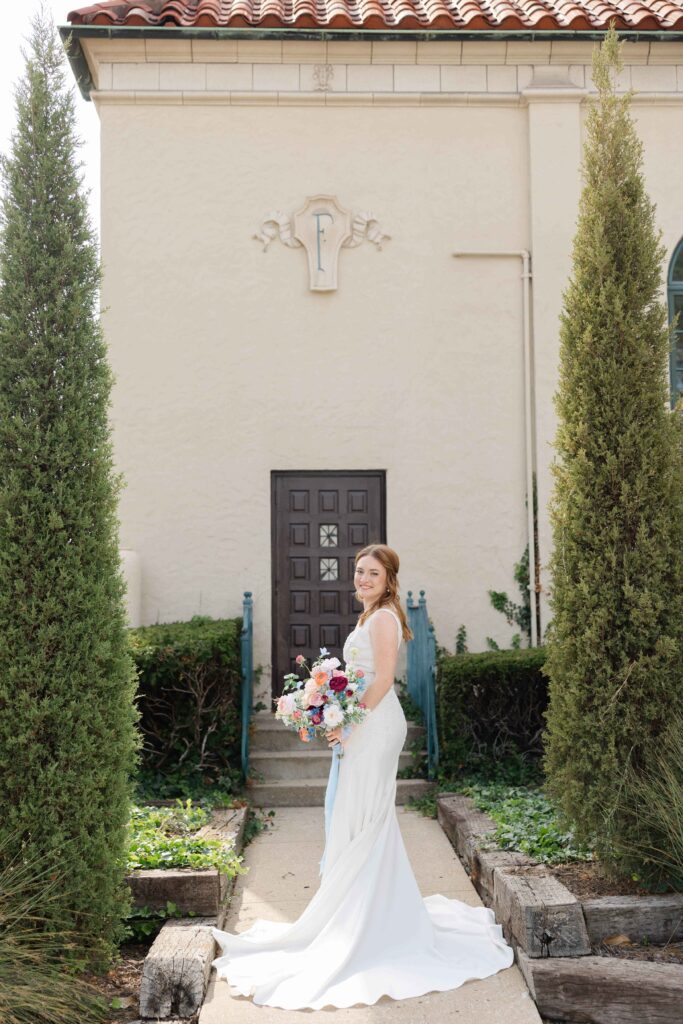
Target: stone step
{"x": 274, "y": 736}
{"x": 306, "y": 763}
{"x": 311, "y": 792}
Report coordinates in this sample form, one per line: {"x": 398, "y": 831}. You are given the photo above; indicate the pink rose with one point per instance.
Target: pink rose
{"x": 312, "y": 694}
{"x": 296, "y": 714}
{"x": 360, "y": 673}
{"x": 300, "y": 659}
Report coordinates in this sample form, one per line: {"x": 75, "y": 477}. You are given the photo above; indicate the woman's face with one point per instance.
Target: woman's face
{"x": 370, "y": 578}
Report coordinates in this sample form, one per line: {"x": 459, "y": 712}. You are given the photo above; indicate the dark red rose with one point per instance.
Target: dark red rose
{"x": 349, "y": 693}
{"x": 338, "y": 683}
{"x": 317, "y": 719}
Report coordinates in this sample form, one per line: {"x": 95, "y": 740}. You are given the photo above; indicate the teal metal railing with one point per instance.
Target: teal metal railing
{"x": 421, "y": 666}
{"x": 247, "y": 644}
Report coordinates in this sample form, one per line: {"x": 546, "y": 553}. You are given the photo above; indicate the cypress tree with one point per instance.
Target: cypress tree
{"x": 615, "y": 643}
{"x": 68, "y": 738}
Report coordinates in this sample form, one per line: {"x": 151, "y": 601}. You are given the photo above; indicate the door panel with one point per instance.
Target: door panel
{"x": 319, "y": 521}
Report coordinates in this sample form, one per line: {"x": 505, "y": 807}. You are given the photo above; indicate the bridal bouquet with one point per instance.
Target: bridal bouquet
{"x": 327, "y": 698}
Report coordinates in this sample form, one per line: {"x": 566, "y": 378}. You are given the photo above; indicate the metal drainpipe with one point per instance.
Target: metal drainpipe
{"x": 529, "y": 424}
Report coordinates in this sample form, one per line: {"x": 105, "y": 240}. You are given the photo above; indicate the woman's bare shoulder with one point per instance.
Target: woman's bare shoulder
{"x": 382, "y": 622}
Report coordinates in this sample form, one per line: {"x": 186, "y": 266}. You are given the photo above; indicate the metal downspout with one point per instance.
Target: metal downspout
{"x": 529, "y": 424}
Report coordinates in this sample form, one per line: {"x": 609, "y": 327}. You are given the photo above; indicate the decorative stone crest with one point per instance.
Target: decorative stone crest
{"x": 322, "y": 76}
{"x": 323, "y": 227}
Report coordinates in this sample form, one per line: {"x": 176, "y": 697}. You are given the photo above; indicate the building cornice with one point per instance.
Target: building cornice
{"x": 72, "y": 35}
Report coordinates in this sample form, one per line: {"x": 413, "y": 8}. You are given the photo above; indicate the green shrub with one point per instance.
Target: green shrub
{"x": 68, "y": 740}
{"x": 490, "y": 707}
{"x": 615, "y": 643}
{"x": 189, "y": 694}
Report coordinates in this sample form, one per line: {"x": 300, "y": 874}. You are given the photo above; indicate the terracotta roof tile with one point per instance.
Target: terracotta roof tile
{"x": 644, "y": 15}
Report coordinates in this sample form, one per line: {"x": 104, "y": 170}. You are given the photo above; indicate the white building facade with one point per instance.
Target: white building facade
{"x": 333, "y": 270}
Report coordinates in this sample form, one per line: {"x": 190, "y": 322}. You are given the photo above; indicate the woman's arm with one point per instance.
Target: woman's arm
{"x": 385, "y": 656}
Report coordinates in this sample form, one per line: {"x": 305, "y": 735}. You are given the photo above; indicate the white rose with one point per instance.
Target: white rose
{"x": 286, "y": 704}
{"x": 332, "y": 716}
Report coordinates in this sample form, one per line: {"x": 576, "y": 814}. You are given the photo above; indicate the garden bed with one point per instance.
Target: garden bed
{"x": 606, "y": 959}
{"x": 194, "y": 868}
{"x": 168, "y": 977}
{"x": 587, "y": 879}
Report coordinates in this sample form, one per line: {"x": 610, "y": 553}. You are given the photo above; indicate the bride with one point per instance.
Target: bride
{"x": 367, "y": 932}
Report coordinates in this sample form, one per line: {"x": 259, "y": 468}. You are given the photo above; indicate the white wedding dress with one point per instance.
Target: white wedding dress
{"x": 367, "y": 931}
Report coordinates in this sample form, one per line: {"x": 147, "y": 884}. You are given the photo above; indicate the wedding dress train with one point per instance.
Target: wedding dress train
{"x": 367, "y": 931}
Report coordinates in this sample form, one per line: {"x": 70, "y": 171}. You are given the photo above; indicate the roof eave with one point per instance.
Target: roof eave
{"x": 81, "y": 69}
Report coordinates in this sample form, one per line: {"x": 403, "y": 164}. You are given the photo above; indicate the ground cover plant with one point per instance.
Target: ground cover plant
{"x": 163, "y": 837}
{"x": 511, "y": 791}
{"x": 525, "y": 819}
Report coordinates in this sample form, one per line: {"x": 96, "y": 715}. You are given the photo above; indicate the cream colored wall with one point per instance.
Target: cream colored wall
{"x": 228, "y": 367}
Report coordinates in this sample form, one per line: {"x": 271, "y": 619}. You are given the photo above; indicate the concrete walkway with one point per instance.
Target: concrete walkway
{"x": 283, "y": 876}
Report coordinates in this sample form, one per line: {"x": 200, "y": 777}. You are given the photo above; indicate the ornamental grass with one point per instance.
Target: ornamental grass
{"x": 37, "y": 980}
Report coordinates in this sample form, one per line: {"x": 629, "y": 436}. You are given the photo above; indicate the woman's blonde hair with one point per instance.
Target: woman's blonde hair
{"x": 389, "y": 559}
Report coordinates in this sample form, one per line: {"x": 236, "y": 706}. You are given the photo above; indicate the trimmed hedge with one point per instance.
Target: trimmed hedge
{"x": 490, "y": 705}
{"x": 189, "y": 695}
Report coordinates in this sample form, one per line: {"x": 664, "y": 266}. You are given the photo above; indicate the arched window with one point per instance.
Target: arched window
{"x": 675, "y": 284}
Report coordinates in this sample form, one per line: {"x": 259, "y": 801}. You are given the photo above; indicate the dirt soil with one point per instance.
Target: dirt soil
{"x": 122, "y": 983}
{"x": 587, "y": 880}
{"x": 670, "y": 954}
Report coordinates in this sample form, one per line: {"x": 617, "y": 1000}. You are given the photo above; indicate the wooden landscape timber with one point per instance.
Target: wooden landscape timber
{"x": 553, "y": 932}
{"x": 604, "y": 990}
{"x": 176, "y": 970}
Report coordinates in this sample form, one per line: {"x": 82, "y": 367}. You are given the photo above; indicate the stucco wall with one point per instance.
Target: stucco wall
{"x": 228, "y": 366}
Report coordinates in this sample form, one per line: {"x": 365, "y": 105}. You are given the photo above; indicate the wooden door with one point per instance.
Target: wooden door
{"x": 319, "y": 521}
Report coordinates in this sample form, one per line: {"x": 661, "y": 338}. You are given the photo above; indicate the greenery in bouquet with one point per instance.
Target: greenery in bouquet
{"x": 324, "y": 699}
